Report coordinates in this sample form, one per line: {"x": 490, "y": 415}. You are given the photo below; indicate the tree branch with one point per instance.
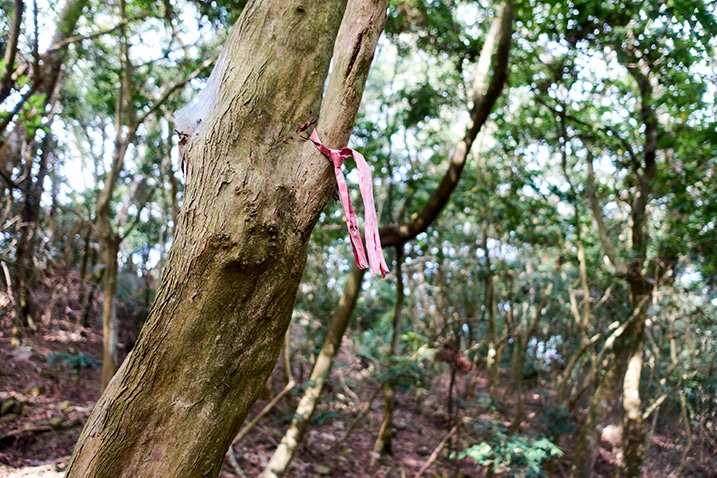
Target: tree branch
{"x": 11, "y": 51}
{"x": 639, "y": 207}
{"x": 608, "y": 247}
{"x": 485, "y": 94}
{"x": 59, "y": 45}
{"x": 590, "y": 126}
{"x": 438, "y": 449}
{"x": 9, "y": 116}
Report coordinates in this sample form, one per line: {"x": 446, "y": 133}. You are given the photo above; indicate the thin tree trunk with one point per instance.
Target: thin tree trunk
{"x": 28, "y": 241}
{"x": 109, "y": 238}
{"x": 46, "y": 79}
{"x": 633, "y": 442}
{"x": 11, "y": 50}
{"x": 587, "y": 445}
{"x": 280, "y": 460}
{"x": 360, "y": 30}
{"x": 383, "y": 442}
{"x": 524, "y": 332}
{"x": 84, "y": 266}
{"x": 110, "y": 250}
{"x": 626, "y": 365}
{"x": 633, "y": 434}
{"x": 634, "y": 431}
{"x": 492, "y": 358}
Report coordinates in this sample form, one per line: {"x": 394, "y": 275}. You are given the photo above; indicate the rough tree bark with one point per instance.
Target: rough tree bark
{"x": 487, "y": 89}
{"x": 255, "y": 192}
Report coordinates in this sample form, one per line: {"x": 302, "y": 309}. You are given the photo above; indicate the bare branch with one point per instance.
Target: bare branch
{"x": 438, "y": 449}
{"x": 78, "y": 38}
{"x": 485, "y": 94}
{"x": 608, "y": 247}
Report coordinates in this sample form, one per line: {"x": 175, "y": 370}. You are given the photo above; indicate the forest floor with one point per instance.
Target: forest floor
{"x": 45, "y": 401}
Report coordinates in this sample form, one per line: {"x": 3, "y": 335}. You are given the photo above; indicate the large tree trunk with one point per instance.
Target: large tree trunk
{"x": 225, "y": 301}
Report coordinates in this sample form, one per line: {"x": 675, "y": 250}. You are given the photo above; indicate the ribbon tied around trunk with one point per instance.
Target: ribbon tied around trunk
{"x": 376, "y": 261}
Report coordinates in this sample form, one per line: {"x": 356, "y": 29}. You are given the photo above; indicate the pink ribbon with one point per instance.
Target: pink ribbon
{"x": 376, "y": 261}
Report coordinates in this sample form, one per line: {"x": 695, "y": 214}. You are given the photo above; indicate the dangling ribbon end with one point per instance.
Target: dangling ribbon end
{"x": 376, "y": 261}
{"x": 384, "y": 268}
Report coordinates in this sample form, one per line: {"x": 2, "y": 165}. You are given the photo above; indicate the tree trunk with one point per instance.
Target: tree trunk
{"x": 225, "y": 301}
{"x": 492, "y": 358}
{"x": 633, "y": 434}
{"x": 11, "y": 50}
{"x": 627, "y": 362}
{"x": 280, "y": 460}
{"x": 383, "y": 442}
{"x": 45, "y": 80}
{"x": 587, "y": 444}
{"x": 358, "y": 37}
{"x": 523, "y": 332}
{"x": 633, "y": 431}
{"x": 27, "y": 244}
{"x": 605, "y": 399}
{"x": 110, "y": 249}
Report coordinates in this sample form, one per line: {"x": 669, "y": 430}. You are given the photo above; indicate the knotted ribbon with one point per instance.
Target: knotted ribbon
{"x": 376, "y": 261}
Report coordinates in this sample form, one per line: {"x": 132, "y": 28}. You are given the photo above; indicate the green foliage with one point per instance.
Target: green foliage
{"x": 220, "y": 12}
{"x": 404, "y": 373}
{"x": 424, "y": 102}
{"x": 557, "y": 421}
{"x": 436, "y": 27}
{"x": 323, "y": 415}
{"x": 374, "y": 343}
{"x": 413, "y": 340}
{"x": 76, "y": 361}
{"x": 520, "y": 455}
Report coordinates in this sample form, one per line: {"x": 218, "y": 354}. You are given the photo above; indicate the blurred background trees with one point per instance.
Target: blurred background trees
{"x": 575, "y": 259}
